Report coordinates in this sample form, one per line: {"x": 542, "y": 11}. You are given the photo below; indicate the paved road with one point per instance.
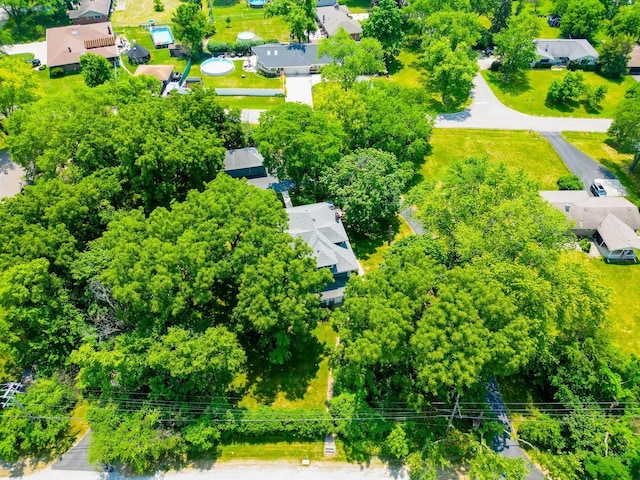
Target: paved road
{"x": 505, "y": 445}
{"x": 580, "y": 164}
{"x": 486, "y": 111}
{"x": 39, "y": 50}
{"x": 10, "y": 176}
{"x": 76, "y": 459}
{"x": 250, "y": 116}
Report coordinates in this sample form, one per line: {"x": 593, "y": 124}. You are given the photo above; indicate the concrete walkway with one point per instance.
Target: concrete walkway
{"x": 488, "y": 112}
{"x": 586, "y": 168}
{"x": 10, "y": 176}
{"x": 39, "y": 50}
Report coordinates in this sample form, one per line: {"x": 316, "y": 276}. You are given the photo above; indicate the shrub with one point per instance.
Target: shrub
{"x": 158, "y": 6}
{"x": 585, "y": 245}
{"x": 56, "y": 72}
{"x": 595, "y": 96}
{"x": 312, "y": 424}
{"x": 42, "y": 67}
{"x": 496, "y": 66}
{"x": 570, "y": 182}
{"x": 569, "y": 89}
{"x": 544, "y": 432}
{"x": 216, "y": 48}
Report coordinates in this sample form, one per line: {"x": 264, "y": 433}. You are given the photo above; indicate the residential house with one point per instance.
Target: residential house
{"x": 611, "y": 221}
{"x": 90, "y": 11}
{"x": 290, "y": 59}
{"x": 634, "y": 61}
{"x": 65, "y": 45}
{"x": 335, "y": 17}
{"x": 320, "y": 226}
{"x": 564, "y": 51}
{"x": 164, "y": 73}
{"x": 244, "y": 163}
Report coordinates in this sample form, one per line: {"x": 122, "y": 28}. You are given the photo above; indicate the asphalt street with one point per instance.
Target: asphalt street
{"x": 580, "y": 164}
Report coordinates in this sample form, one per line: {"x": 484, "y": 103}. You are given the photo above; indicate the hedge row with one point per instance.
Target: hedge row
{"x": 235, "y": 48}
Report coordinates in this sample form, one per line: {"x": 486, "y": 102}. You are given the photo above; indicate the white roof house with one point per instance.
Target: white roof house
{"x": 335, "y": 17}
{"x": 563, "y": 51}
{"x": 319, "y": 225}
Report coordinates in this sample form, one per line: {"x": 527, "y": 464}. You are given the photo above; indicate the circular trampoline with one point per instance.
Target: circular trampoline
{"x": 245, "y": 36}
{"x": 217, "y": 67}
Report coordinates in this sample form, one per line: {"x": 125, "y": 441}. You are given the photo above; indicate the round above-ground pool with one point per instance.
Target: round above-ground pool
{"x": 256, "y": 3}
{"x": 245, "y": 36}
{"x": 217, "y": 67}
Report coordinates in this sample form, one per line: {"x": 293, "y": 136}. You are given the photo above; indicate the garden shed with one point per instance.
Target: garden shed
{"x": 138, "y": 54}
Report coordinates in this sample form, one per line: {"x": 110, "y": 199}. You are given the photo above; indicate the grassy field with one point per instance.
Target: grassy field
{"x": 54, "y": 85}
{"x": 518, "y": 149}
{"x": 258, "y": 103}
{"x": 529, "y": 96}
{"x": 370, "y": 251}
{"x": 599, "y": 147}
{"x": 407, "y": 72}
{"x": 278, "y": 450}
{"x": 301, "y": 385}
{"x": 129, "y": 13}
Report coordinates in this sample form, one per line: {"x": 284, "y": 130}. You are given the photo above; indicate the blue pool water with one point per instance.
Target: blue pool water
{"x": 162, "y": 36}
{"x": 256, "y": 3}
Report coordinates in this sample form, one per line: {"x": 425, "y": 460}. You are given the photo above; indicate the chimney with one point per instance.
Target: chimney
{"x": 68, "y": 48}
{"x": 109, "y": 29}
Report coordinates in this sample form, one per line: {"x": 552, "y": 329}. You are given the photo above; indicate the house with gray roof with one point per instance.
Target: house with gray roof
{"x": 290, "y": 59}
{"x": 320, "y": 226}
{"x": 335, "y": 17}
{"x": 611, "y": 221}
{"x": 90, "y": 11}
{"x": 244, "y": 163}
{"x": 634, "y": 61}
{"x": 564, "y": 51}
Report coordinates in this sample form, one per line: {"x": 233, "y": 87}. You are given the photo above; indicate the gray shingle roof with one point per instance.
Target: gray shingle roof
{"x": 242, "y": 158}
{"x": 573, "y": 49}
{"x": 88, "y": 7}
{"x": 332, "y": 19}
{"x": 589, "y": 212}
{"x": 276, "y": 55}
{"x": 319, "y": 226}
{"x": 617, "y": 235}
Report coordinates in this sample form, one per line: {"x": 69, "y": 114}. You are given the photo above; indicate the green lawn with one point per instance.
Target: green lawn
{"x": 407, "y": 72}
{"x": 518, "y": 149}
{"x": 530, "y": 95}
{"x": 370, "y": 251}
{"x": 278, "y": 450}
{"x": 624, "y": 312}
{"x": 357, "y": 6}
{"x": 301, "y": 384}
{"x": 243, "y": 18}
{"x": 257, "y": 103}
{"x": 131, "y": 13}
{"x": 599, "y": 147}
{"x": 62, "y": 84}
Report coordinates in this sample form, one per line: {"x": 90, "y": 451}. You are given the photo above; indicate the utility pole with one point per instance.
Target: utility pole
{"x": 456, "y": 407}
{"x": 8, "y": 397}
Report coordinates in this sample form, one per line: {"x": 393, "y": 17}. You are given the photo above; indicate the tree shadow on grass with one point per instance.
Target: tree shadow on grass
{"x": 566, "y": 107}
{"x": 225, "y": 3}
{"x": 366, "y": 245}
{"x": 518, "y": 84}
{"x": 291, "y": 378}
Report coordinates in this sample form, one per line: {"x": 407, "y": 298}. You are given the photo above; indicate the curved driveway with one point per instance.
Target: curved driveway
{"x": 486, "y": 111}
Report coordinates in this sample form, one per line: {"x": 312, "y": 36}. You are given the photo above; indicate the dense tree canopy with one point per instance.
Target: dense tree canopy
{"x": 367, "y": 185}
{"x": 515, "y": 45}
{"x": 298, "y": 143}
{"x": 582, "y": 18}
{"x": 625, "y": 128}
{"x": 385, "y": 25}
{"x": 300, "y": 15}
{"x": 96, "y": 69}
{"x": 18, "y": 85}
{"x": 190, "y": 27}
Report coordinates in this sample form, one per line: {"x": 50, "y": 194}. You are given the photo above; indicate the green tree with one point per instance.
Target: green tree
{"x": 489, "y": 465}
{"x": 582, "y": 18}
{"x": 567, "y": 90}
{"x": 298, "y": 143}
{"x": 42, "y": 428}
{"x": 625, "y": 128}
{"x": 190, "y": 27}
{"x": 350, "y": 58}
{"x": 18, "y": 85}
{"x": 626, "y": 22}
{"x": 299, "y": 15}
{"x": 381, "y": 115}
{"x": 448, "y": 72}
{"x": 385, "y": 25}
{"x": 614, "y": 56}
{"x": 515, "y": 45}
{"x": 458, "y": 26}
{"x": 96, "y": 69}
{"x": 367, "y": 185}
{"x": 18, "y": 10}
{"x": 570, "y": 182}
{"x": 501, "y": 16}
{"x": 595, "y": 96}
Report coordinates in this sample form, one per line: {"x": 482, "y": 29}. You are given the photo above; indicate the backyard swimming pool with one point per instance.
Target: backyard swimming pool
{"x": 256, "y": 3}
{"x": 162, "y": 36}
{"x": 216, "y": 67}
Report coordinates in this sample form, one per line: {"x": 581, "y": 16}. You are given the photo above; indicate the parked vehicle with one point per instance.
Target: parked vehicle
{"x": 34, "y": 62}
{"x": 598, "y": 189}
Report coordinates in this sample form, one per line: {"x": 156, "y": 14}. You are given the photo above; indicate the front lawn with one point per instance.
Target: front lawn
{"x": 599, "y": 147}
{"x": 518, "y": 149}
{"x": 529, "y": 96}
{"x": 255, "y": 103}
{"x": 301, "y": 383}
{"x": 265, "y": 450}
